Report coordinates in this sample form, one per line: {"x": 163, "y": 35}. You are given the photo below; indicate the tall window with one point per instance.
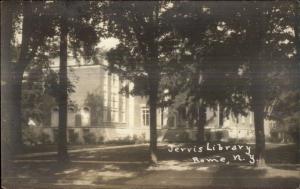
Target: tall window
{"x": 243, "y": 119}
{"x": 123, "y": 107}
{"x": 54, "y": 117}
{"x": 251, "y": 117}
{"x": 85, "y": 117}
{"x": 105, "y": 96}
{"x": 71, "y": 116}
{"x": 55, "y": 135}
{"x": 111, "y": 87}
{"x": 105, "y": 116}
{"x": 145, "y": 116}
{"x": 114, "y": 106}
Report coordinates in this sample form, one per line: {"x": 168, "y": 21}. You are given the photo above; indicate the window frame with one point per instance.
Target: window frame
{"x": 145, "y": 115}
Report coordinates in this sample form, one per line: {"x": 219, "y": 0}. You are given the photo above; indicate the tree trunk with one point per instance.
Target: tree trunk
{"x": 221, "y": 116}
{"x": 17, "y": 72}
{"x": 297, "y": 42}
{"x": 201, "y": 124}
{"x": 297, "y": 30}
{"x": 257, "y": 43}
{"x": 6, "y": 100}
{"x": 258, "y": 104}
{"x": 259, "y": 131}
{"x": 63, "y": 95}
{"x": 153, "y": 129}
{"x": 14, "y": 71}
{"x": 16, "y": 92}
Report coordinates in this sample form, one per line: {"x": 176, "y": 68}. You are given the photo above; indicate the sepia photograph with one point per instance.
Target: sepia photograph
{"x": 150, "y": 94}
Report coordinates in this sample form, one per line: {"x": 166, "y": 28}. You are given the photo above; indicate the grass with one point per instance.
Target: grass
{"x": 275, "y": 153}
{"x": 103, "y": 168}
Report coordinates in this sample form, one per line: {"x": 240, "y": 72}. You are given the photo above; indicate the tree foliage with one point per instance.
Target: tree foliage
{"x": 145, "y": 50}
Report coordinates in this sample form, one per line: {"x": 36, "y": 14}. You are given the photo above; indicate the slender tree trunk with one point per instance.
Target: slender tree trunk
{"x": 201, "y": 124}
{"x": 63, "y": 95}
{"x": 297, "y": 30}
{"x": 162, "y": 117}
{"x": 221, "y": 116}
{"x": 297, "y": 42}
{"x": 153, "y": 126}
{"x": 257, "y": 43}
{"x": 6, "y": 100}
{"x": 259, "y": 129}
{"x": 17, "y": 71}
{"x": 14, "y": 71}
{"x": 258, "y": 104}
{"x": 153, "y": 81}
{"x": 16, "y": 128}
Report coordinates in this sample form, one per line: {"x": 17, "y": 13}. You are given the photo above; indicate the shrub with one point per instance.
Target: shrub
{"x": 222, "y": 135}
{"x": 294, "y": 133}
{"x": 274, "y": 137}
{"x": 55, "y": 135}
{"x": 100, "y": 140}
{"x": 176, "y": 136}
{"x": 219, "y": 135}
{"x": 90, "y": 138}
{"x": 139, "y": 139}
{"x": 44, "y": 138}
{"x": 74, "y": 138}
{"x": 30, "y": 137}
{"x": 183, "y": 137}
{"x": 240, "y": 140}
{"x": 207, "y": 136}
{"x": 126, "y": 140}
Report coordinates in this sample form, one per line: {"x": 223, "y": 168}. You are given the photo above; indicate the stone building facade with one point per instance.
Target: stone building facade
{"x": 99, "y": 113}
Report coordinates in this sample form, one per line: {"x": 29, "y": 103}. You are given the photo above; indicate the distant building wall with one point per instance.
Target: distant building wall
{"x": 237, "y": 128}
{"x": 98, "y": 113}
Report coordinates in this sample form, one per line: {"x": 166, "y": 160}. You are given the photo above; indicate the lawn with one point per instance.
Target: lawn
{"x": 275, "y": 153}
{"x": 128, "y": 168}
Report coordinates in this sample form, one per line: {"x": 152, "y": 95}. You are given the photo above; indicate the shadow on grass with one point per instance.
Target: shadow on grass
{"x": 277, "y": 154}
{"x": 177, "y": 166}
{"x": 73, "y": 173}
{"x": 282, "y": 154}
{"x": 135, "y": 154}
{"x": 251, "y": 177}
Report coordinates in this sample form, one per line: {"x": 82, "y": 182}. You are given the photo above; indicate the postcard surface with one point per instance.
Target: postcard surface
{"x": 150, "y": 94}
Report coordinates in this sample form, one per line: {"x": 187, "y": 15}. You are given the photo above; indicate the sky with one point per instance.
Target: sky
{"x": 108, "y": 43}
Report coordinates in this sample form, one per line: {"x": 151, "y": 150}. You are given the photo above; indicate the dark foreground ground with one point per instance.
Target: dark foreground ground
{"x": 127, "y": 167}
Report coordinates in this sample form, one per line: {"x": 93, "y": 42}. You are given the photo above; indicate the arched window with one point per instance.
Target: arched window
{"x": 54, "y": 117}
{"x": 172, "y": 122}
{"x": 85, "y": 117}
{"x": 71, "y": 116}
